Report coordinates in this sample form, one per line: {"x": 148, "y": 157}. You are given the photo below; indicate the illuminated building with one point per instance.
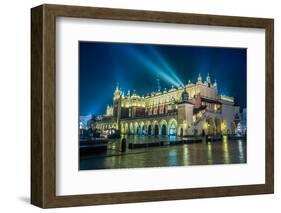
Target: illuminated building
{"x": 83, "y": 121}
{"x": 193, "y": 109}
{"x": 242, "y": 126}
{"x": 83, "y": 124}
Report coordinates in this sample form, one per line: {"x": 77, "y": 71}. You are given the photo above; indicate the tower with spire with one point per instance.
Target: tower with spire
{"x": 215, "y": 85}
{"x": 185, "y": 112}
{"x": 208, "y": 80}
{"x": 117, "y": 93}
{"x": 117, "y": 105}
{"x": 199, "y": 79}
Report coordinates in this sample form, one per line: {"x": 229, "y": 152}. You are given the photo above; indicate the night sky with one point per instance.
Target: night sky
{"x": 136, "y": 67}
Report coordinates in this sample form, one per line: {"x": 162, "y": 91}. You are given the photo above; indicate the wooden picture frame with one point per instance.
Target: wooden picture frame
{"x": 43, "y": 105}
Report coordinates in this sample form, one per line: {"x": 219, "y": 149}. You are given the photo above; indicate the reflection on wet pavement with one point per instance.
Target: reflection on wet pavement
{"x": 220, "y": 152}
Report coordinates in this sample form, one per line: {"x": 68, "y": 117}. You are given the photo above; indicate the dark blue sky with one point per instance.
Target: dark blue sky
{"x": 136, "y": 67}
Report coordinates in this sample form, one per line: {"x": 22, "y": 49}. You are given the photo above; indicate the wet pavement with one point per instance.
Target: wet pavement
{"x": 219, "y": 152}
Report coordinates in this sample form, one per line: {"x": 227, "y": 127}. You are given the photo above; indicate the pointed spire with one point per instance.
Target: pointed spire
{"x": 117, "y": 87}
{"x": 208, "y": 79}
{"x": 215, "y": 83}
{"x": 117, "y": 93}
{"x": 199, "y": 79}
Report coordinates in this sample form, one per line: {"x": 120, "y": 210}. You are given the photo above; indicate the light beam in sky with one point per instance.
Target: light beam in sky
{"x": 165, "y": 64}
{"x": 154, "y": 67}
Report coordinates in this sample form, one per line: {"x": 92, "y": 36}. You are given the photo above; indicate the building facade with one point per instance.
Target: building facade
{"x": 193, "y": 109}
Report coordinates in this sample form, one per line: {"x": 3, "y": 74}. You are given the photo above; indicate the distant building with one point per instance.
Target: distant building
{"x": 84, "y": 121}
{"x": 242, "y": 126}
{"x": 195, "y": 108}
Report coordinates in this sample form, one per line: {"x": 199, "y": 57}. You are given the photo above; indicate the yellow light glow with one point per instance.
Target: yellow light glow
{"x": 225, "y": 149}
{"x": 205, "y": 125}
{"x": 223, "y": 126}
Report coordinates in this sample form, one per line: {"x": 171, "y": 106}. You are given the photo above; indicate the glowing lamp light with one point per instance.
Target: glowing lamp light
{"x": 223, "y": 126}
{"x": 194, "y": 118}
{"x": 205, "y": 125}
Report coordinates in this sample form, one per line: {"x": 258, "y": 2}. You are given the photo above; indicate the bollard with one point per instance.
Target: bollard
{"x": 123, "y": 145}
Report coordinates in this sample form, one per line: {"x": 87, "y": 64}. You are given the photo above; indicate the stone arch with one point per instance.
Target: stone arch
{"x": 163, "y": 127}
{"x": 126, "y": 127}
{"x": 155, "y": 128}
{"x": 181, "y": 131}
{"x": 147, "y": 123}
{"x": 136, "y": 128}
{"x": 172, "y": 127}
{"x": 142, "y": 128}
{"x": 164, "y": 130}
{"x": 131, "y": 128}
{"x": 141, "y": 124}
{"x": 211, "y": 126}
{"x": 122, "y": 128}
{"x": 149, "y": 129}
{"x": 218, "y": 125}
